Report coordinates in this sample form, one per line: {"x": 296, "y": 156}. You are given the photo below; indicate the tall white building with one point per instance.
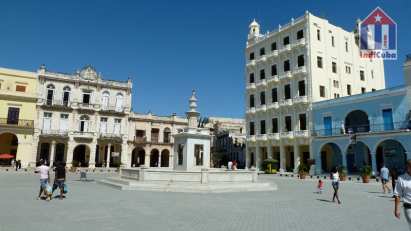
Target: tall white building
{"x": 82, "y": 119}
{"x": 304, "y": 61}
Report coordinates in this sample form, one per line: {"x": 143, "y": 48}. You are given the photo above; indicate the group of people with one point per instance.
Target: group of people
{"x": 232, "y": 165}
{"x": 46, "y": 190}
{"x": 401, "y": 188}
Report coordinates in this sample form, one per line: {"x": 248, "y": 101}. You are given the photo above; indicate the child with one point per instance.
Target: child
{"x": 320, "y": 186}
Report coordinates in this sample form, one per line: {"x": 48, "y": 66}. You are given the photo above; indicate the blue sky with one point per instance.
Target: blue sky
{"x": 168, "y": 47}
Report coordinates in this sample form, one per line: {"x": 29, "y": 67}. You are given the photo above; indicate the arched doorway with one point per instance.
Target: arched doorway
{"x": 358, "y": 155}
{"x": 81, "y": 156}
{"x": 357, "y": 121}
{"x": 392, "y": 154}
{"x": 165, "y": 155}
{"x": 138, "y": 157}
{"x": 330, "y": 157}
{"x": 8, "y": 145}
{"x": 154, "y": 158}
{"x": 59, "y": 153}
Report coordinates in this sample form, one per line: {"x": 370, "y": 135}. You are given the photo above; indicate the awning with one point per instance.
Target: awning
{"x": 6, "y": 156}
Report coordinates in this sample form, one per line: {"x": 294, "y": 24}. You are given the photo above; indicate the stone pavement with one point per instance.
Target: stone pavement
{"x": 294, "y": 206}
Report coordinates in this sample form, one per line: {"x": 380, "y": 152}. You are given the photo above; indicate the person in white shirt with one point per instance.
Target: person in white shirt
{"x": 403, "y": 190}
{"x": 43, "y": 170}
{"x": 230, "y": 165}
{"x": 335, "y": 182}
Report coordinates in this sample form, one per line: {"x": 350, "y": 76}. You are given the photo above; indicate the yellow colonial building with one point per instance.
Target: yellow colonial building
{"x": 18, "y": 96}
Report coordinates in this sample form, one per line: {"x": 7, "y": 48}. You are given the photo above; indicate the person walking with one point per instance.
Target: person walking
{"x": 43, "y": 170}
{"x": 403, "y": 191}
{"x": 385, "y": 175}
{"x": 335, "y": 182}
{"x": 60, "y": 178}
{"x": 394, "y": 177}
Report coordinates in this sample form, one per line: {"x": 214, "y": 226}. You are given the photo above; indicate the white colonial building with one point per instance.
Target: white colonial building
{"x": 82, "y": 119}
{"x": 304, "y": 61}
{"x": 150, "y": 139}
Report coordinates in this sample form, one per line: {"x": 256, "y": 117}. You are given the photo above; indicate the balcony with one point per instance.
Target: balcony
{"x": 366, "y": 129}
{"x": 251, "y": 110}
{"x": 286, "y": 48}
{"x": 286, "y": 102}
{"x": 261, "y": 137}
{"x": 300, "y": 42}
{"x": 88, "y": 106}
{"x": 286, "y": 75}
{"x": 273, "y": 105}
{"x": 261, "y": 108}
{"x": 287, "y": 135}
{"x": 300, "y": 70}
{"x": 107, "y": 135}
{"x": 274, "y": 79}
{"x": 112, "y": 109}
{"x": 16, "y": 123}
{"x": 262, "y": 83}
{"x": 54, "y": 133}
{"x": 251, "y": 63}
{"x": 251, "y": 138}
{"x": 57, "y": 104}
{"x": 273, "y": 53}
{"x": 274, "y": 136}
{"x": 83, "y": 135}
{"x": 300, "y": 99}
{"x": 301, "y": 133}
{"x": 250, "y": 86}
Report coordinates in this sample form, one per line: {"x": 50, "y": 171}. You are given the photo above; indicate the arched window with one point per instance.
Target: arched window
{"x": 66, "y": 95}
{"x": 50, "y": 93}
{"x": 105, "y": 100}
{"x": 84, "y": 123}
{"x": 119, "y": 102}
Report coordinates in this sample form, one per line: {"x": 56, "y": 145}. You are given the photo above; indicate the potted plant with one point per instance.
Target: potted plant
{"x": 303, "y": 170}
{"x": 270, "y": 166}
{"x": 342, "y": 171}
{"x": 366, "y": 172}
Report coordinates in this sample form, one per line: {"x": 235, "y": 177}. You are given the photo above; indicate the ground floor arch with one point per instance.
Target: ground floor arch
{"x": 8, "y": 145}
{"x": 81, "y": 156}
{"x": 165, "y": 157}
{"x": 358, "y": 155}
{"x": 331, "y": 157}
{"x": 392, "y": 154}
{"x": 154, "y": 158}
{"x": 138, "y": 157}
{"x": 60, "y": 152}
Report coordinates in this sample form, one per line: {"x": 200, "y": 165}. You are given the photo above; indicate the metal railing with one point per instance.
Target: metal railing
{"x": 112, "y": 108}
{"x": 365, "y": 128}
{"x": 17, "y": 123}
{"x": 54, "y": 132}
{"x": 53, "y": 102}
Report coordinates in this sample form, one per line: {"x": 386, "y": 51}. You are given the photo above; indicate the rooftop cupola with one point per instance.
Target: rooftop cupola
{"x": 254, "y": 29}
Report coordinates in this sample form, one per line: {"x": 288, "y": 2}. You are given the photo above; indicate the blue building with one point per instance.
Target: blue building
{"x": 368, "y": 129}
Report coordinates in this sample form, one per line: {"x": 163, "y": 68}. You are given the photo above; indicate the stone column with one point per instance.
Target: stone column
{"x": 282, "y": 158}
{"x": 374, "y": 163}
{"x": 52, "y": 152}
{"x": 92, "y": 160}
{"x": 125, "y": 161}
{"x": 70, "y": 149}
{"x": 296, "y": 157}
{"x": 147, "y": 160}
{"x": 344, "y": 159}
{"x": 171, "y": 161}
{"x": 257, "y": 157}
{"x": 159, "y": 159}
{"x": 247, "y": 157}
{"x": 108, "y": 155}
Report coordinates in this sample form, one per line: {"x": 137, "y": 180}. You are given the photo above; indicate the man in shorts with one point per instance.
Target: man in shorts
{"x": 385, "y": 174}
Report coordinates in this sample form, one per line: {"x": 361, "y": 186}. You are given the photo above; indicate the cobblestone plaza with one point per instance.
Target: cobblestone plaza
{"x": 294, "y": 206}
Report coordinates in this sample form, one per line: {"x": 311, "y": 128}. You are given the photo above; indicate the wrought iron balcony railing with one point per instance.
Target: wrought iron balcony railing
{"x": 16, "y": 123}
{"x": 365, "y": 128}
